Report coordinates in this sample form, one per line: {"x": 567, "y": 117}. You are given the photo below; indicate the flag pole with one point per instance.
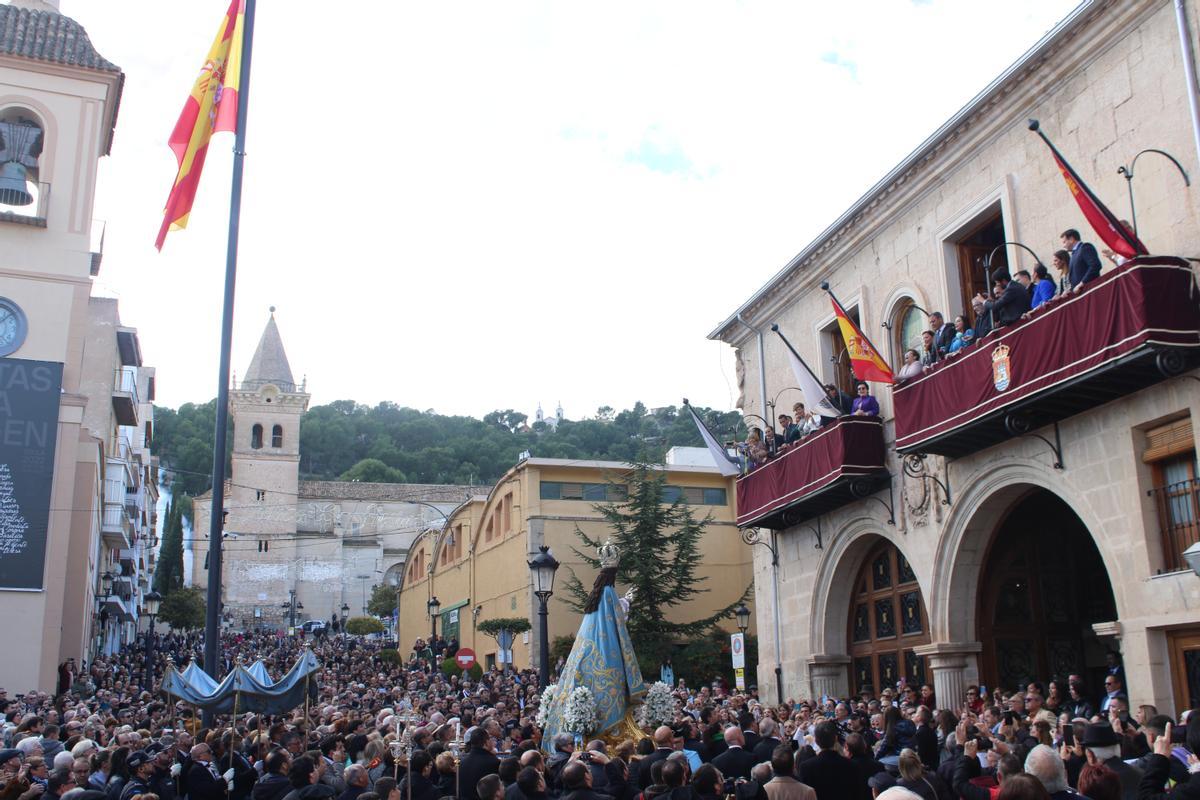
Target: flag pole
{"x": 212, "y": 623}
{"x": 779, "y": 333}
{"x": 1110, "y": 217}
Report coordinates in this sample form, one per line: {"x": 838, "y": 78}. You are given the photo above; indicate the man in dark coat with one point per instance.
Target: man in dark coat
{"x": 273, "y": 785}
{"x": 203, "y": 783}
{"x": 479, "y": 761}
{"x": 1011, "y": 304}
{"x": 829, "y": 773}
{"x": 577, "y": 780}
{"x": 662, "y": 749}
{"x": 1102, "y": 746}
{"x": 1084, "y": 265}
{"x": 767, "y": 742}
{"x": 736, "y": 761}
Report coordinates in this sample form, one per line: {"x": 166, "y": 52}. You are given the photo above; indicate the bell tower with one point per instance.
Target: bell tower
{"x": 266, "y": 409}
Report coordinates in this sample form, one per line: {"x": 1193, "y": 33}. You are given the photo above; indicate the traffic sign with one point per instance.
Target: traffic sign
{"x": 739, "y": 678}
{"x": 737, "y": 646}
{"x": 465, "y": 658}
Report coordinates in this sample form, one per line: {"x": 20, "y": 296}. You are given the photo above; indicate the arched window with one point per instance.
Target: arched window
{"x": 21, "y": 139}
{"x": 277, "y": 436}
{"x": 907, "y": 325}
{"x": 256, "y": 434}
{"x": 887, "y": 621}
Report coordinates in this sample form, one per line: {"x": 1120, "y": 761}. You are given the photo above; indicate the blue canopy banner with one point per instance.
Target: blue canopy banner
{"x": 245, "y": 689}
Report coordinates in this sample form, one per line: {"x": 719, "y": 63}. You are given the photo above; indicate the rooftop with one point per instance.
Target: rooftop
{"x": 45, "y": 35}
{"x": 270, "y": 362}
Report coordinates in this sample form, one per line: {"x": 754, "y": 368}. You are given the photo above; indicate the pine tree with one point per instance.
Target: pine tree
{"x": 660, "y": 552}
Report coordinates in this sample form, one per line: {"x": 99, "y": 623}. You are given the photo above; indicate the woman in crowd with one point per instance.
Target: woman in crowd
{"x": 917, "y": 779}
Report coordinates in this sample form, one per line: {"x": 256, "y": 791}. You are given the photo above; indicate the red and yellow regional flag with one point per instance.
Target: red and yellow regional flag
{"x": 211, "y": 107}
{"x": 868, "y": 365}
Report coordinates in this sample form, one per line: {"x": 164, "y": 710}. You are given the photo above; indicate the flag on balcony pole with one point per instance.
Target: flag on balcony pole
{"x": 815, "y": 399}
{"x": 865, "y": 359}
{"x": 726, "y": 464}
{"x": 1118, "y": 237}
{"x": 211, "y": 107}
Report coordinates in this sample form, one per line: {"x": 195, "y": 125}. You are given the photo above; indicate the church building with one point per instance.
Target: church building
{"x": 297, "y": 549}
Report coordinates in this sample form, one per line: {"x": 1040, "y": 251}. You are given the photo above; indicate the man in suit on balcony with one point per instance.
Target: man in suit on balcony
{"x": 1084, "y": 265}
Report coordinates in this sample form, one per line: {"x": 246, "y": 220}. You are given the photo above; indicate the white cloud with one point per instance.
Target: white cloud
{"x": 483, "y": 205}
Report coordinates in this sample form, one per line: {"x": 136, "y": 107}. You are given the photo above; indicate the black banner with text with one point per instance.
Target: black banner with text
{"x": 29, "y": 399}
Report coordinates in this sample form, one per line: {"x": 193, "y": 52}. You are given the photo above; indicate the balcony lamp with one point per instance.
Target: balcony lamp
{"x": 1192, "y": 557}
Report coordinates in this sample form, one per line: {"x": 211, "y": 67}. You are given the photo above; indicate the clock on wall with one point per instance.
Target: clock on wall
{"x": 13, "y": 327}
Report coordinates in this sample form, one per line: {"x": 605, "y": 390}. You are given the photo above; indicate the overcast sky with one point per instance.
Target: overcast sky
{"x": 470, "y": 206}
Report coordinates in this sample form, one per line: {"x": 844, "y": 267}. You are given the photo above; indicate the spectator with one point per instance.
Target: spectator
{"x": 943, "y": 334}
{"x": 929, "y": 351}
{"x": 1158, "y": 768}
{"x": 983, "y": 320}
{"x": 1022, "y": 787}
{"x": 1043, "y": 287}
{"x": 912, "y": 366}
{"x": 1103, "y": 746}
{"x": 865, "y": 405}
{"x": 962, "y": 334}
{"x": 1098, "y": 782}
{"x": 1116, "y": 258}
{"x": 841, "y": 401}
{"x": 1114, "y": 689}
{"x": 805, "y": 421}
{"x": 919, "y": 781}
{"x": 829, "y": 773}
{"x": 1084, "y": 264}
{"x": 1010, "y": 305}
{"x": 736, "y": 761}
{"x": 784, "y": 786}
{"x": 479, "y": 761}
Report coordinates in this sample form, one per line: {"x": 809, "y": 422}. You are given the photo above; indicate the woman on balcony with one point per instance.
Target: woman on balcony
{"x": 912, "y": 366}
{"x": 865, "y": 405}
{"x": 963, "y": 335}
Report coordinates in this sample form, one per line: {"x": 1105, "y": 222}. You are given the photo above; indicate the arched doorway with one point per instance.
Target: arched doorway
{"x": 887, "y": 621}
{"x": 1043, "y": 585}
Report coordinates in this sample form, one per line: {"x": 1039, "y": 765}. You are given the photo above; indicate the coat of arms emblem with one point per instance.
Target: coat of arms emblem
{"x": 1001, "y": 369}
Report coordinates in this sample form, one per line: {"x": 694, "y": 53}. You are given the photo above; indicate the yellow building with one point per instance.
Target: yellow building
{"x": 477, "y": 564}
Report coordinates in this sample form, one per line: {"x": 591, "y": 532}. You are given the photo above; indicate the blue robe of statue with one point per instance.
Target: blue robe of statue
{"x": 602, "y": 659}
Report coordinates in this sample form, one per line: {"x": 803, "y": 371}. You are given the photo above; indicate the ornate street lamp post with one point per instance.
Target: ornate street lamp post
{"x": 434, "y": 605}
{"x": 743, "y": 618}
{"x": 150, "y": 605}
{"x": 542, "y": 568}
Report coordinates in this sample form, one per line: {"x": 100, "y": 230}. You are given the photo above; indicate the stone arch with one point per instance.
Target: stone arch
{"x": 900, "y": 300}
{"x": 977, "y": 513}
{"x": 834, "y": 583}
{"x": 49, "y": 122}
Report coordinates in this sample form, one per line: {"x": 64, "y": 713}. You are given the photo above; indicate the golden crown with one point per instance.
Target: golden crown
{"x": 610, "y": 555}
{"x": 1000, "y": 352}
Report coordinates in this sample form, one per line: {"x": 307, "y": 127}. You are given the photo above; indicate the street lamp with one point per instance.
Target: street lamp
{"x": 434, "y": 605}
{"x": 743, "y": 617}
{"x": 106, "y": 582}
{"x": 150, "y": 605}
{"x": 291, "y": 607}
{"x": 543, "y": 566}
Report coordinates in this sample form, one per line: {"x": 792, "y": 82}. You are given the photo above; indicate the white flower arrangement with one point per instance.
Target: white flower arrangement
{"x": 658, "y": 707}
{"x": 548, "y": 695}
{"x": 579, "y": 715}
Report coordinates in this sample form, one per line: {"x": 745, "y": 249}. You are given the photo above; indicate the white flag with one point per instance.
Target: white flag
{"x": 815, "y": 399}
{"x": 725, "y": 464}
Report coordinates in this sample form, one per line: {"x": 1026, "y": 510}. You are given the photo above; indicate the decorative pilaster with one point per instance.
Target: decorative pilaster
{"x": 827, "y": 674}
{"x": 949, "y": 663}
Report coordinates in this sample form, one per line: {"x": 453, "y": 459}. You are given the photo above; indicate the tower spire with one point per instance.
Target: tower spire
{"x": 270, "y": 362}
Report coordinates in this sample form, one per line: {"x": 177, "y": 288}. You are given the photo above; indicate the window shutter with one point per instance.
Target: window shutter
{"x": 1169, "y": 440}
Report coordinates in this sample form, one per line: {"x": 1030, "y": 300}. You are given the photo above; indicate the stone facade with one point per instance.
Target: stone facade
{"x": 1107, "y": 83}
{"x": 330, "y": 542}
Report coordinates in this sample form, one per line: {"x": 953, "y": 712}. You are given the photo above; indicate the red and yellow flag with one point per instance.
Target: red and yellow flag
{"x": 211, "y": 107}
{"x": 1116, "y": 235}
{"x": 866, "y": 361}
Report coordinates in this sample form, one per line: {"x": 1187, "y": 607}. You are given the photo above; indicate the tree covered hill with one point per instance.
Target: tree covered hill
{"x": 388, "y": 443}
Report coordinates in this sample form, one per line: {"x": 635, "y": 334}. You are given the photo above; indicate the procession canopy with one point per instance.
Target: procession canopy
{"x": 247, "y": 689}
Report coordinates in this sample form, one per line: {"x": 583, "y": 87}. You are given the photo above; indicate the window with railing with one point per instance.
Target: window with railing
{"x": 1171, "y": 454}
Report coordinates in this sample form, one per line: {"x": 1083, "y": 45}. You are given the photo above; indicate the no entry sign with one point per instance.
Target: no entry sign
{"x": 465, "y": 658}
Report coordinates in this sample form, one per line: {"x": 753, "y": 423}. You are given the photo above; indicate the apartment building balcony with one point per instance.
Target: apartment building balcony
{"x": 115, "y": 528}
{"x": 832, "y": 467}
{"x": 1131, "y": 328}
{"x": 125, "y": 396}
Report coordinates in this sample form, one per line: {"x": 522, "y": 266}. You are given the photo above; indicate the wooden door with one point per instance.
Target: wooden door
{"x": 971, "y": 273}
{"x": 1185, "y": 667}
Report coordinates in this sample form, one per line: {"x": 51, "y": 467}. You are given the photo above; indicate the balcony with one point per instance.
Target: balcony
{"x": 125, "y": 395}
{"x": 1178, "y": 506}
{"x": 834, "y": 466}
{"x": 1134, "y": 327}
{"x": 114, "y": 525}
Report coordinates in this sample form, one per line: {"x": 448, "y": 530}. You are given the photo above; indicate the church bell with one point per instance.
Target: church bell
{"x": 14, "y": 185}
{"x": 22, "y": 144}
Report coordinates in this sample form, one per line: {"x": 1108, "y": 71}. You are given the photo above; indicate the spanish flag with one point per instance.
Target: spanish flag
{"x": 1104, "y": 222}
{"x": 866, "y": 361}
{"x": 211, "y": 107}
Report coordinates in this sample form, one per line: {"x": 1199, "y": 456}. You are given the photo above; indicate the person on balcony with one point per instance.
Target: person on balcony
{"x": 943, "y": 334}
{"x": 865, "y": 405}
{"x": 963, "y": 335}
{"x": 929, "y": 351}
{"x": 1043, "y": 287}
{"x": 1062, "y": 265}
{"x": 912, "y": 366}
{"x": 1084, "y": 266}
{"x": 839, "y": 400}
{"x": 1010, "y": 305}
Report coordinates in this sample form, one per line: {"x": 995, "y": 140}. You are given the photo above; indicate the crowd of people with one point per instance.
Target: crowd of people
{"x": 384, "y": 727}
{"x": 1011, "y": 299}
